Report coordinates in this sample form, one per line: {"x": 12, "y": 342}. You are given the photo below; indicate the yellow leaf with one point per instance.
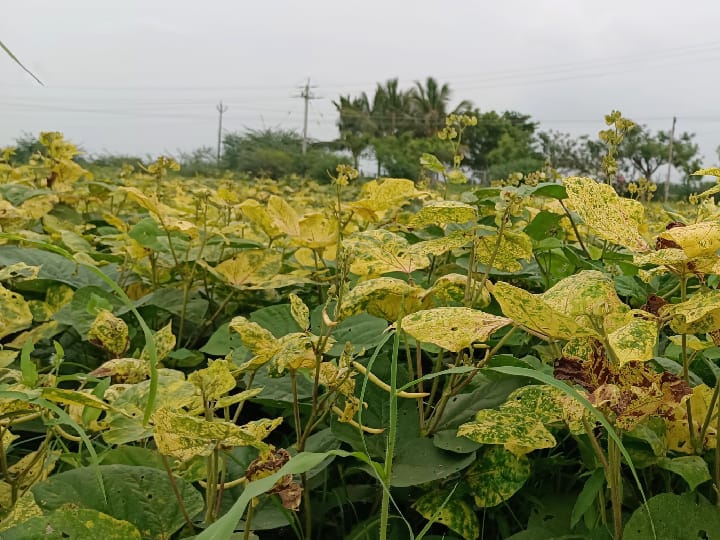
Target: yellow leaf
{"x": 693, "y": 343}
{"x": 109, "y": 332}
{"x": 452, "y": 328}
{"x": 634, "y": 342}
{"x": 438, "y": 246}
{"x": 381, "y": 297}
{"x": 257, "y": 213}
{"x": 283, "y": 216}
{"x": 450, "y": 289}
{"x": 124, "y": 370}
{"x": 73, "y": 397}
{"x": 250, "y": 269}
{"x": 389, "y": 193}
{"x": 507, "y": 428}
{"x": 514, "y": 246}
{"x": 696, "y": 240}
{"x": 698, "y": 315}
{"x": 214, "y": 381}
{"x": 604, "y": 213}
{"x": 440, "y": 213}
{"x": 377, "y": 252}
{"x": 587, "y": 293}
{"x": 256, "y": 338}
{"x": 532, "y": 312}
{"x": 678, "y": 432}
{"x": 317, "y": 231}
{"x": 15, "y": 313}
{"x": 300, "y": 312}
{"x": 164, "y": 343}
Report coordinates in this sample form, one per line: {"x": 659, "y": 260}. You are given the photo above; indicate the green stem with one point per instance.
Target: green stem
{"x": 392, "y": 435}
{"x": 686, "y": 370}
{"x": 615, "y": 482}
{"x": 248, "y": 520}
{"x": 575, "y": 230}
{"x": 176, "y": 491}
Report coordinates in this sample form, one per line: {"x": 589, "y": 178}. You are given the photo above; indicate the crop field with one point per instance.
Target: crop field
{"x": 216, "y": 358}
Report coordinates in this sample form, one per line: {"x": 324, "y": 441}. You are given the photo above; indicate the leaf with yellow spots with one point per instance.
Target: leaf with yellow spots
{"x": 440, "y": 213}
{"x": 377, "y": 252}
{"x": 693, "y": 343}
{"x": 25, "y": 508}
{"x": 15, "y": 312}
{"x": 164, "y": 343}
{"x": 635, "y": 341}
{"x": 256, "y": 338}
{"x": 73, "y": 522}
{"x": 123, "y": 370}
{"x": 532, "y": 312}
{"x": 452, "y": 328}
{"x": 386, "y": 194}
{"x": 438, "y": 246}
{"x": 294, "y": 351}
{"x": 699, "y": 314}
{"x": 227, "y": 401}
{"x": 696, "y": 240}
{"x": 665, "y": 256}
{"x": 109, "y": 332}
{"x": 184, "y": 437}
{"x": 283, "y": 215}
{"x": 214, "y": 381}
{"x": 317, "y": 231}
{"x": 381, "y": 297}
{"x": 604, "y": 213}
{"x": 299, "y": 311}
{"x": 538, "y": 401}
{"x": 258, "y": 214}
{"x": 492, "y": 426}
{"x": 453, "y": 512}
{"x": 587, "y": 293}
{"x": 677, "y": 425}
{"x": 73, "y": 397}
{"x": 20, "y": 271}
{"x": 496, "y": 475}
{"x": 514, "y": 247}
{"x": 249, "y": 269}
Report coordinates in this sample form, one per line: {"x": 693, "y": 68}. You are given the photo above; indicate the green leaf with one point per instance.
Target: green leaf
{"x": 27, "y": 366}
{"x": 452, "y": 328}
{"x": 75, "y": 524}
{"x": 542, "y": 224}
{"x": 418, "y": 460}
{"x": 141, "y": 495}
{"x": 693, "y": 469}
{"x": 452, "y": 511}
{"x": 496, "y": 475}
{"x": 674, "y": 517}
{"x": 587, "y": 496}
{"x": 432, "y": 163}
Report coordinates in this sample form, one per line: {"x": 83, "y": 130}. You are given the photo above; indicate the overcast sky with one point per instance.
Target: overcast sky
{"x": 144, "y": 76}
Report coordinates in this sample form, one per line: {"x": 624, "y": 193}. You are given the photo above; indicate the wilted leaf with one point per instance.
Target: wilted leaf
{"x": 123, "y": 370}
{"x": 452, "y": 328}
{"x": 602, "y": 210}
{"x": 496, "y": 475}
{"x": 455, "y": 513}
{"x": 19, "y": 271}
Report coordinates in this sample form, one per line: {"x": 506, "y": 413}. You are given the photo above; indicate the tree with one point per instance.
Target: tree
{"x": 355, "y": 125}
{"x": 502, "y": 143}
{"x": 646, "y": 152}
{"x": 572, "y": 155}
{"x": 431, "y": 101}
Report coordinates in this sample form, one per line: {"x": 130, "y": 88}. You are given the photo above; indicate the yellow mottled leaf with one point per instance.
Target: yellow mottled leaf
{"x": 24, "y": 509}
{"x": 164, "y": 343}
{"x": 603, "y": 212}
{"x": 124, "y": 370}
{"x": 635, "y": 341}
{"x": 386, "y": 194}
{"x": 377, "y": 252}
{"x": 300, "y": 312}
{"x": 496, "y": 475}
{"x": 440, "y": 213}
{"x": 20, "y": 271}
{"x": 678, "y": 433}
{"x": 456, "y": 513}
{"x": 542, "y": 402}
{"x": 109, "y": 332}
{"x": 452, "y": 328}
{"x": 532, "y": 312}
{"x": 15, "y": 313}
{"x": 256, "y": 338}
{"x": 698, "y": 315}
{"x": 492, "y": 426}
{"x": 73, "y": 397}
{"x": 258, "y": 214}
{"x": 214, "y": 381}
{"x": 450, "y": 289}
{"x": 250, "y": 269}
{"x": 381, "y": 297}
{"x": 514, "y": 247}
{"x": 586, "y": 293}
{"x": 438, "y": 246}
{"x": 696, "y": 240}
{"x": 283, "y": 215}
{"x": 317, "y": 231}
{"x": 693, "y": 343}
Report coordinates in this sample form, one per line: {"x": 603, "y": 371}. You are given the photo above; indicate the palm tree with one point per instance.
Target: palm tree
{"x": 355, "y": 124}
{"x": 431, "y": 101}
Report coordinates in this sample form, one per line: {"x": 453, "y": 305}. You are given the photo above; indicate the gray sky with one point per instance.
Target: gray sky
{"x": 143, "y": 77}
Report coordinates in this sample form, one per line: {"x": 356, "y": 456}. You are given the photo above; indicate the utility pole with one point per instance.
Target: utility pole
{"x": 670, "y": 157}
{"x": 306, "y": 96}
{"x": 221, "y": 109}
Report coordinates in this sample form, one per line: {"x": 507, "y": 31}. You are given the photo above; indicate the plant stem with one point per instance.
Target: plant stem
{"x": 176, "y": 491}
{"x": 575, "y": 230}
{"x": 615, "y": 483}
{"x": 392, "y": 435}
{"x": 248, "y": 520}
{"x": 686, "y": 369}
